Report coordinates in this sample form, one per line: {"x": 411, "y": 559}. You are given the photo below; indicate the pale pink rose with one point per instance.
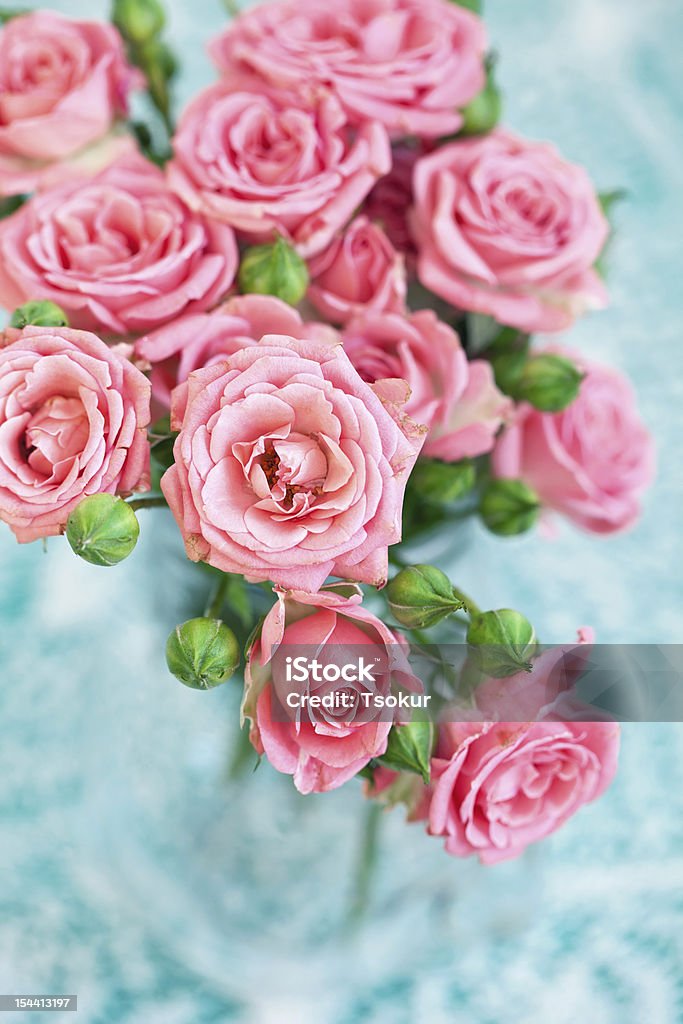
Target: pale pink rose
{"x": 591, "y": 462}
{"x": 410, "y": 64}
{"x": 119, "y": 253}
{"x": 288, "y": 467}
{"x": 204, "y": 339}
{"x": 272, "y": 164}
{"x": 497, "y": 787}
{"x": 505, "y": 226}
{"x": 458, "y": 401}
{"x": 322, "y": 748}
{"x": 62, "y": 85}
{"x": 392, "y": 198}
{"x": 73, "y": 418}
{"x": 360, "y": 271}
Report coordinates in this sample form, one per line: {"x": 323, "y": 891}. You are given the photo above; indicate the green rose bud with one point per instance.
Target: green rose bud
{"x": 202, "y": 653}
{"x": 421, "y": 596}
{"x": 483, "y": 113}
{"x": 548, "y": 382}
{"x": 102, "y": 529}
{"x": 502, "y": 642}
{"x": 275, "y": 269}
{"x": 509, "y": 507}
{"x": 441, "y": 483}
{"x": 410, "y": 749}
{"x": 39, "y": 314}
{"x": 138, "y": 20}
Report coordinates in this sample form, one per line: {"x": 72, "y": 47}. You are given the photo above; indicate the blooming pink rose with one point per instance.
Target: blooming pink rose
{"x": 62, "y": 85}
{"x": 360, "y": 271}
{"x": 322, "y": 748}
{"x": 120, "y": 252}
{"x": 505, "y": 226}
{"x": 204, "y": 339}
{"x": 288, "y": 466}
{"x": 407, "y": 63}
{"x": 591, "y": 462}
{"x": 392, "y": 197}
{"x": 499, "y": 786}
{"x": 458, "y": 401}
{"x": 73, "y": 418}
{"x": 269, "y": 163}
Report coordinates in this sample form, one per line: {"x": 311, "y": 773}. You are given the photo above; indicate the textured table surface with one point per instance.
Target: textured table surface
{"x": 133, "y": 874}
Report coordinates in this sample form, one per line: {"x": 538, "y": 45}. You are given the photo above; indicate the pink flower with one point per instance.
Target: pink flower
{"x": 591, "y": 462}
{"x": 271, "y": 163}
{"x": 505, "y": 226}
{"x": 120, "y": 252}
{"x": 458, "y": 401}
{"x": 360, "y": 271}
{"x": 407, "y": 63}
{"x": 193, "y": 342}
{"x": 322, "y": 747}
{"x": 288, "y": 466}
{"x": 73, "y": 418}
{"x": 62, "y": 85}
{"x": 392, "y": 197}
{"x": 499, "y": 786}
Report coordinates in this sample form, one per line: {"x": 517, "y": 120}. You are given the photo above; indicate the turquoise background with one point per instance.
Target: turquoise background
{"x": 133, "y": 874}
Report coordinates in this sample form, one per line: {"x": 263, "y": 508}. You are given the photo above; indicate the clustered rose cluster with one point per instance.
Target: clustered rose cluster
{"x": 270, "y": 329}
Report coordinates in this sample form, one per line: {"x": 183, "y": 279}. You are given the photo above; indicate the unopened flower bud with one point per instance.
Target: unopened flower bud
{"x": 409, "y": 749}
{"x": 502, "y": 642}
{"x": 275, "y": 269}
{"x": 421, "y": 596}
{"x": 483, "y": 113}
{"x": 509, "y": 507}
{"x": 138, "y": 20}
{"x": 39, "y": 314}
{"x": 440, "y": 483}
{"x": 548, "y": 382}
{"x": 202, "y": 653}
{"x": 103, "y": 529}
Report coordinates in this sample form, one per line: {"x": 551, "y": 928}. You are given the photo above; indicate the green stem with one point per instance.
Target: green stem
{"x": 242, "y": 756}
{"x": 470, "y": 607}
{"x": 217, "y": 600}
{"x": 367, "y": 862}
{"x": 140, "y": 503}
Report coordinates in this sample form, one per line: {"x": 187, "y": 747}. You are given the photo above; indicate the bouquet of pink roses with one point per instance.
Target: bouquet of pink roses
{"x": 301, "y": 319}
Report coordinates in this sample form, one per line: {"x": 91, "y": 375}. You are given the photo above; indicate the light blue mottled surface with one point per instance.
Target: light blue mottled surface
{"x": 131, "y": 873}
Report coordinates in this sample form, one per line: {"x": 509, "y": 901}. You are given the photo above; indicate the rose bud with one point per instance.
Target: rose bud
{"x": 502, "y": 642}
{"x": 441, "y": 483}
{"x": 138, "y": 20}
{"x": 483, "y": 113}
{"x": 548, "y": 382}
{"x": 202, "y": 653}
{"x": 39, "y": 314}
{"x": 509, "y": 507}
{"x": 275, "y": 269}
{"x": 421, "y": 596}
{"x": 409, "y": 749}
{"x": 102, "y": 529}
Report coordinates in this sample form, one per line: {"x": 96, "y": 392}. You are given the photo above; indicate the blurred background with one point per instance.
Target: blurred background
{"x": 135, "y": 873}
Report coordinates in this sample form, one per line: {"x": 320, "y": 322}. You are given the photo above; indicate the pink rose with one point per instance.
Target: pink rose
{"x": 269, "y": 163}
{"x": 392, "y": 197}
{"x": 62, "y": 85}
{"x": 407, "y": 63}
{"x": 591, "y": 462}
{"x": 505, "y": 226}
{"x": 322, "y": 748}
{"x": 360, "y": 271}
{"x": 73, "y": 418}
{"x": 120, "y": 252}
{"x": 288, "y": 466}
{"x": 499, "y": 786}
{"x": 193, "y": 342}
{"x": 458, "y": 401}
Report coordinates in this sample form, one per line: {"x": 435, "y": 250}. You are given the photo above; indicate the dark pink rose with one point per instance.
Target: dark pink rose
{"x": 62, "y": 85}
{"x": 193, "y": 342}
{"x": 591, "y": 462}
{"x": 269, "y": 163}
{"x": 410, "y": 64}
{"x": 505, "y": 226}
{"x": 73, "y": 419}
{"x": 120, "y": 253}
{"x": 288, "y": 466}
{"x": 458, "y": 401}
{"x": 497, "y": 787}
{"x": 322, "y": 748}
{"x": 360, "y": 271}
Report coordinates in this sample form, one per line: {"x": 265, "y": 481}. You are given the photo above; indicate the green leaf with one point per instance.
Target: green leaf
{"x": 410, "y": 749}
{"x": 10, "y": 204}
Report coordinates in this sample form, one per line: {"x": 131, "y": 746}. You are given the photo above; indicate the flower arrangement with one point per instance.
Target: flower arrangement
{"x": 301, "y": 319}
